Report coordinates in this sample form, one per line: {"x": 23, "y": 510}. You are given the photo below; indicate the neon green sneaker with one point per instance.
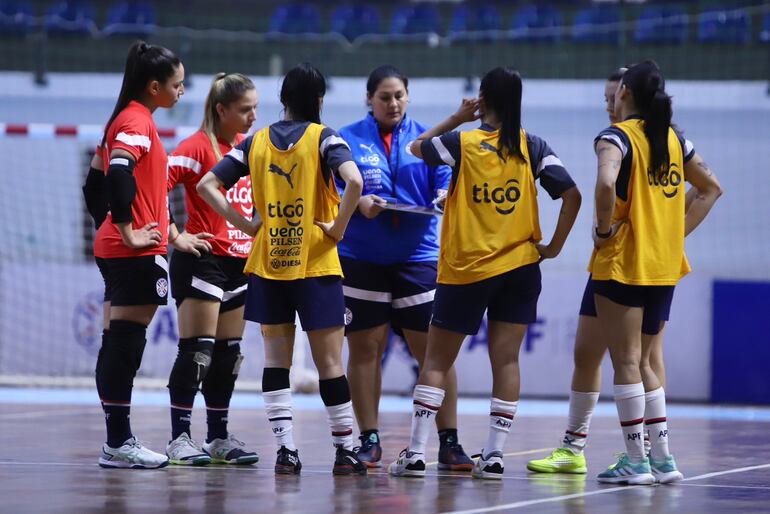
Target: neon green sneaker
{"x": 561, "y": 460}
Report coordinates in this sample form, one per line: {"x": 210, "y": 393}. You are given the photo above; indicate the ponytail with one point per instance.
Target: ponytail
{"x": 225, "y": 89}
{"x": 143, "y": 64}
{"x": 301, "y": 92}
{"x": 501, "y": 90}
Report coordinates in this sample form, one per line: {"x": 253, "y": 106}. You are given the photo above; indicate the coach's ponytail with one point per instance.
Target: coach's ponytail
{"x": 225, "y": 89}
{"x": 301, "y": 93}
{"x": 501, "y": 91}
{"x": 648, "y": 88}
{"x": 143, "y": 64}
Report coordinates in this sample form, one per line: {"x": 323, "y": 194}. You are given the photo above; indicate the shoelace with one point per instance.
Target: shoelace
{"x": 366, "y": 444}
{"x": 235, "y": 440}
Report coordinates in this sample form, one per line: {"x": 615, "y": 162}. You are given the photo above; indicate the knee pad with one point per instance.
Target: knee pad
{"x": 192, "y": 364}
{"x": 225, "y": 366}
{"x": 120, "y": 358}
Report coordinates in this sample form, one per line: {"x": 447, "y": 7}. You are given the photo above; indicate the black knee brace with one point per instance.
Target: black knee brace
{"x": 192, "y": 364}
{"x": 225, "y": 365}
{"x": 119, "y": 359}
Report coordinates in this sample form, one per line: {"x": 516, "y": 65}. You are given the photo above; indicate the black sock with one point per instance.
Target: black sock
{"x": 216, "y": 420}
{"x": 117, "y": 418}
{"x": 447, "y": 437}
{"x": 219, "y": 384}
{"x": 334, "y": 391}
{"x": 190, "y": 367}
{"x": 180, "y": 421}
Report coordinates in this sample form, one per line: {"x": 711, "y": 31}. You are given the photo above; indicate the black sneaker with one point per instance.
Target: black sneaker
{"x": 370, "y": 451}
{"x": 287, "y": 462}
{"x": 346, "y": 463}
{"x": 452, "y": 457}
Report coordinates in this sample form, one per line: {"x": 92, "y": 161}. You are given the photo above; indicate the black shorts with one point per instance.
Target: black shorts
{"x": 135, "y": 280}
{"x": 318, "y": 301}
{"x": 655, "y": 300}
{"x": 217, "y": 278}
{"x": 510, "y": 297}
{"x": 398, "y": 294}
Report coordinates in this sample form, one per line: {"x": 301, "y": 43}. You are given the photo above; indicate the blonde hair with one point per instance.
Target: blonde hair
{"x": 226, "y": 88}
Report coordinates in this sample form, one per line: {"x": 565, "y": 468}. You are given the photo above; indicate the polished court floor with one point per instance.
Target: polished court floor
{"x": 50, "y": 439}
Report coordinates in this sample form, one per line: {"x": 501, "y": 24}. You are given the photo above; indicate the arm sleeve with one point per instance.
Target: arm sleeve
{"x": 234, "y": 165}
{"x": 334, "y": 149}
{"x": 548, "y": 168}
{"x": 688, "y": 149}
{"x": 442, "y": 150}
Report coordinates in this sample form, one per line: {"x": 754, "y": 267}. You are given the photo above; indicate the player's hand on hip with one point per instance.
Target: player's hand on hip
{"x": 147, "y": 236}
{"x": 602, "y": 241}
{"x": 546, "y": 252}
{"x": 332, "y": 229}
{"x": 371, "y": 205}
{"x": 193, "y": 243}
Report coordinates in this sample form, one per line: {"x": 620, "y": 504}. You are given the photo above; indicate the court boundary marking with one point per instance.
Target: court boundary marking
{"x": 511, "y": 454}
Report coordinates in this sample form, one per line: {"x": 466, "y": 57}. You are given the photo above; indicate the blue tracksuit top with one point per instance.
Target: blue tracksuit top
{"x": 392, "y": 237}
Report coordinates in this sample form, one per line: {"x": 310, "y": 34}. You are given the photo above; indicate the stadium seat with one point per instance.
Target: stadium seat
{"x": 415, "y": 19}
{"x": 71, "y": 17}
{"x": 665, "y": 25}
{"x": 764, "y": 35}
{"x": 295, "y": 19}
{"x": 15, "y": 17}
{"x": 598, "y": 24}
{"x": 355, "y": 20}
{"x": 724, "y": 26}
{"x": 540, "y": 23}
{"x": 476, "y": 19}
{"x": 131, "y": 19}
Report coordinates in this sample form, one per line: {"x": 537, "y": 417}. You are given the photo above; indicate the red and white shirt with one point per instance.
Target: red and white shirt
{"x": 192, "y": 159}
{"x": 134, "y": 131}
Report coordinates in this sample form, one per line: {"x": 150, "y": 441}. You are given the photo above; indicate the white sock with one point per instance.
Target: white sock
{"x": 427, "y": 401}
{"x": 501, "y": 415}
{"x": 581, "y": 409}
{"x": 629, "y": 399}
{"x": 655, "y": 420}
{"x": 341, "y": 424}
{"x": 278, "y": 409}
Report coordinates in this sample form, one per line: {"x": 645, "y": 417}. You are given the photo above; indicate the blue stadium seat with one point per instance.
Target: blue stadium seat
{"x": 724, "y": 26}
{"x": 598, "y": 24}
{"x": 70, "y": 17}
{"x": 355, "y": 20}
{"x": 295, "y": 19}
{"x": 477, "y": 18}
{"x": 539, "y": 23}
{"x": 15, "y": 17}
{"x": 415, "y": 19}
{"x": 764, "y": 35}
{"x": 131, "y": 19}
{"x": 664, "y": 25}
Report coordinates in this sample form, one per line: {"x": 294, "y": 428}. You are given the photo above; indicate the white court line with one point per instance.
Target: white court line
{"x": 512, "y": 454}
{"x": 516, "y": 505}
{"x": 726, "y": 486}
{"x": 43, "y": 414}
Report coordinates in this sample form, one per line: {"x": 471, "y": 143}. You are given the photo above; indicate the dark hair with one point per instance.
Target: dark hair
{"x": 301, "y": 92}
{"x": 501, "y": 90}
{"x": 617, "y": 75}
{"x": 648, "y": 87}
{"x": 381, "y": 73}
{"x": 143, "y": 64}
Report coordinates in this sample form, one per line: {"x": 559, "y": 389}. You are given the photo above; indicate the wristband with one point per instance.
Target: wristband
{"x": 602, "y": 235}
{"x": 171, "y": 241}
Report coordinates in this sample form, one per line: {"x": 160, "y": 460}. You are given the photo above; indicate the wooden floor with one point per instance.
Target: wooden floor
{"x": 48, "y": 457}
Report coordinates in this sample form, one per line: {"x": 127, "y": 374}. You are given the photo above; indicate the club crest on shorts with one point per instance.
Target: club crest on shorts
{"x": 348, "y": 316}
{"x": 161, "y": 287}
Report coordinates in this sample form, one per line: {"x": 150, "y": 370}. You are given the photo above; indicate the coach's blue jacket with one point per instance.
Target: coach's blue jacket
{"x": 392, "y": 237}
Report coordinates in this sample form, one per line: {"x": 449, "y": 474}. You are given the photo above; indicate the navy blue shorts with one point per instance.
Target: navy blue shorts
{"x": 317, "y": 300}
{"x": 398, "y": 294}
{"x": 217, "y": 278}
{"x": 510, "y": 297}
{"x": 135, "y": 280}
{"x": 655, "y": 300}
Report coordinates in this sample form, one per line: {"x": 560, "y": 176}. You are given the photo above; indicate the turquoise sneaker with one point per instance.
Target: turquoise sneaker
{"x": 626, "y": 472}
{"x": 666, "y": 472}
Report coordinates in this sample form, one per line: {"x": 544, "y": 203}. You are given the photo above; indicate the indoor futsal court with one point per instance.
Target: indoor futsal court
{"x": 231, "y": 229}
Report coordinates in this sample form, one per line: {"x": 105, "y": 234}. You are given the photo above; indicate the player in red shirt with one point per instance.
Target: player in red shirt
{"x": 210, "y": 287}
{"x": 130, "y": 246}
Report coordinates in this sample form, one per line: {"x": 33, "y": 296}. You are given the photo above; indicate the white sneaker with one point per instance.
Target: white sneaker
{"x": 229, "y": 451}
{"x": 409, "y": 464}
{"x": 131, "y": 455}
{"x": 489, "y": 467}
{"x": 186, "y": 452}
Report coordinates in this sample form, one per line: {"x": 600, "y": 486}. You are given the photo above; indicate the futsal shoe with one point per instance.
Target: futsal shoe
{"x": 489, "y": 467}
{"x": 287, "y": 462}
{"x": 626, "y": 472}
{"x": 370, "y": 451}
{"x": 666, "y": 472}
{"x": 561, "y": 460}
{"x": 183, "y": 451}
{"x": 452, "y": 457}
{"x": 230, "y": 451}
{"x": 346, "y": 463}
{"x": 131, "y": 455}
{"x": 408, "y": 464}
